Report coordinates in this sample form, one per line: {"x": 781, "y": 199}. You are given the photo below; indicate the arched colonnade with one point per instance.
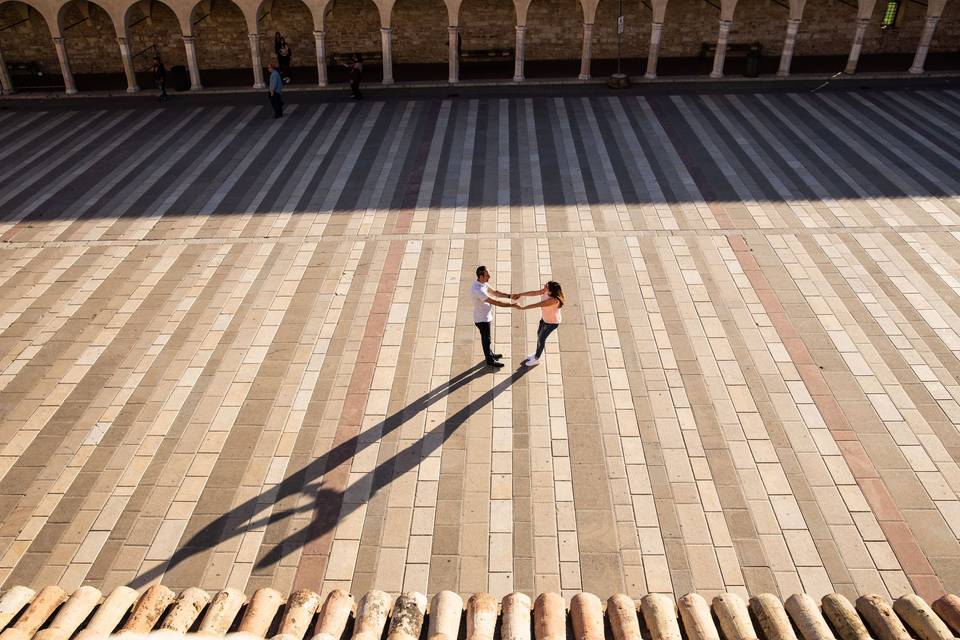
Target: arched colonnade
{"x": 120, "y": 14}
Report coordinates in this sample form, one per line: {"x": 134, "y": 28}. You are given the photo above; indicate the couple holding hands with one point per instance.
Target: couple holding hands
{"x": 484, "y": 299}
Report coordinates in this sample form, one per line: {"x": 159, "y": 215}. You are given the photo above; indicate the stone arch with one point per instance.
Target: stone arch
{"x": 153, "y": 27}
{"x": 294, "y": 20}
{"x": 28, "y": 38}
{"x": 763, "y": 21}
{"x": 686, "y": 25}
{"x": 420, "y": 40}
{"x": 815, "y": 42}
{"x": 946, "y": 39}
{"x": 487, "y": 25}
{"x": 353, "y": 26}
{"x": 90, "y": 34}
{"x": 220, "y": 29}
{"x": 895, "y": 46}
{"x": 554, "y": 38}
{"x": 634, "y": 42}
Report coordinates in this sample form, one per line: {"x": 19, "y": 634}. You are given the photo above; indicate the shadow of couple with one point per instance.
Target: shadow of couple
{"x": 327, "y": 503}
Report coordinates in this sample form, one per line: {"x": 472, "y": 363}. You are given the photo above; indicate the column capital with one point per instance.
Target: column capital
{"x": 454, "y": 29}
{"x": 521, "y": 28}
{"x": 59, "y": 40}
{"x": 794, "y": 20}
{"x": 253, "y": 36}
{"x": 386, "y": 29}
{"x": 122, "y": 41}
{"x": 319, "y": 33}
{"x": 189, "y": 38}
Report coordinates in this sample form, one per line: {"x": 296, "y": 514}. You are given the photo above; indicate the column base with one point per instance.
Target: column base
{"x": 133, "y": 89}
{"x": 915, "y": 70}
{"x": 387, "y": 81}
{"x": 783, "y": 74}
{"x": 716, "y": 74}
{"x": 198, "y": 87}
{"x": 649, "y": 76}
{"x": 71, "y": 92}
{"x": 259, "y": 85}
{"x": 518, "y": 78}
{"x": 583, "y": 76}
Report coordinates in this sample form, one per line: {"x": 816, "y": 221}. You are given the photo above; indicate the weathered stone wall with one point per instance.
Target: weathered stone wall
{"x": 293, "y": 19}
{"x": 153, "y": 27}
{"x": 488, "y": 24}
{"x": 763, "y": 21}
{"x": 29, "y": 41}
{"x": 687, "y": 24}
{"x": 353, "y": 26}
{"x": 554, "y": 31}
{"x": 827, "y": 28}
{"x": 221, "y": 36}
{"x": 636, "y": 29}
{"x": 420, "y": 31}
{"x": 91, "y": 39}
{"x": 947, "y": 37}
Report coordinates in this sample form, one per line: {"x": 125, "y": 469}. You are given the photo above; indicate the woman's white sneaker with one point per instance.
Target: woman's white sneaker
{"x": 531, "y": 361}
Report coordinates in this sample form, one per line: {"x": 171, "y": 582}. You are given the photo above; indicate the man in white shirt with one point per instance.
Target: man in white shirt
{"x": 483, "y": 312}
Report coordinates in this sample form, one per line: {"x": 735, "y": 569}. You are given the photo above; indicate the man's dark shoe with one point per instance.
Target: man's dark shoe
{"x": 494, "y": 364}
{"x": 496, "y": 356}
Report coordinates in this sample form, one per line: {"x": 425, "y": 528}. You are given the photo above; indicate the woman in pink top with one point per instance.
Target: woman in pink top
{"x": 550, "y": 303}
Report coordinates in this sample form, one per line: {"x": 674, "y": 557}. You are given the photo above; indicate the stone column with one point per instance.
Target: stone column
{"x": 6, "y": 84}
{"x": 519, "y": 53}
{"x": 320, "y": 39}
{"x": 190, "y": 46}
{"x": 793, "y": 25}
{"x": 862, "y": 24}
{"x": 454, "y": 54}
{"x": 656, "y": 28}
{"x": 257, "y": 64}
{"x": 587, "y": 52}
{"x": 386, "y": 44}
{"x": 68, "y": 82}
{"x": 720, "y": 55}
{"x": 925, "y": 38}
{"x": 128, "y": 65}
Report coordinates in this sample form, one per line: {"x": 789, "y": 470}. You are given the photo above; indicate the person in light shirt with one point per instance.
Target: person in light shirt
{"x": 551, "y": 300}
{"x": 483, "y": 305}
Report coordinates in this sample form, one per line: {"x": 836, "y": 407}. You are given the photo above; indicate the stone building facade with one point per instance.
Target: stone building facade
{"x": 63, "y": 37}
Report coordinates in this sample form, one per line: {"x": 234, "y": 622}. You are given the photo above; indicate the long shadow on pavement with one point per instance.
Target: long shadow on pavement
{"x": 328, "y": 504}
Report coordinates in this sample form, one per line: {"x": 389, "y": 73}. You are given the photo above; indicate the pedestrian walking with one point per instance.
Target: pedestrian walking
{"x": 355, "y": 69}
{"x": 283, "y": 56}
{"x": 483, "y": 306}
{"x": 551, "y": 300}
{"x": 275, "y": 91}
{"x": 160, "y": 77}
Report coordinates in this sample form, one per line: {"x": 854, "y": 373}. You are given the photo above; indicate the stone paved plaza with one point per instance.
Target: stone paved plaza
{"x": 239, "y": 351}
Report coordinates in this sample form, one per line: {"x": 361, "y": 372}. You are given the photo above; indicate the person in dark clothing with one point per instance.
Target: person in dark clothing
{"x": 275, "y": 89}
{"x": 355, "y": 69}
{"x": 160, "y": 78}
{"x": 283, "y": 56}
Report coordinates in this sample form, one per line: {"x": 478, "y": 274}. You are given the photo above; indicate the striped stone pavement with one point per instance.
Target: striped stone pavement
{"x": 239, "y": 351}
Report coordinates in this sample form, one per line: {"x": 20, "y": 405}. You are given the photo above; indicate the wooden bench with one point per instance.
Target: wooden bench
{"x": 369, "y": 57}
{"x": 486, "y": 55}
{"x": 23, "y": 69}
{"x": 709, "y": 49}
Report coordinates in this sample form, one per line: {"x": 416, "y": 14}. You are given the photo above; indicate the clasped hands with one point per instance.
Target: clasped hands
{"x": 516, "y": 296}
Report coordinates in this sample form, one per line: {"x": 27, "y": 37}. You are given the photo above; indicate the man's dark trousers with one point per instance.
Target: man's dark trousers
{"x": 484, "y": 328}
{"x": 276, "y": 101}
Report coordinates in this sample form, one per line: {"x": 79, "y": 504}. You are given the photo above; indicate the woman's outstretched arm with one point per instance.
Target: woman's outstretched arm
{"x": 538, "y": 292}
{"x": 549, "y": 302}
